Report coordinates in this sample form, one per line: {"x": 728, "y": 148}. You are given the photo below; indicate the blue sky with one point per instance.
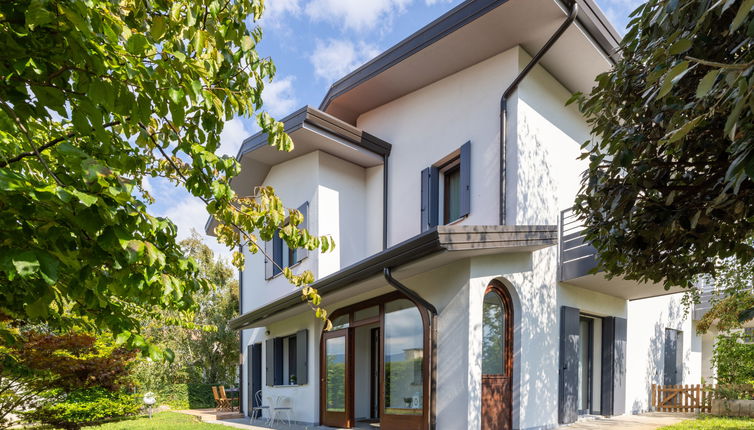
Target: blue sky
{"x": 314, "y": 43}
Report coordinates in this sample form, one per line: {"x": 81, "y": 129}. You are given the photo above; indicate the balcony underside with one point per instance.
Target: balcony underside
{"x": 620, "y": 287}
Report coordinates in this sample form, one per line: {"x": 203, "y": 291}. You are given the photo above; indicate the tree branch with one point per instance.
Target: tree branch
{"x": 49, "y": 144}
{"x": 743, "y": 66}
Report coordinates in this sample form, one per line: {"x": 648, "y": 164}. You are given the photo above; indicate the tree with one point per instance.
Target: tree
{"x": 95, "y": 96}
{"x": 45, "y": 367}
{"x": 668, "y": 193}
{"x": 207, "y": 353}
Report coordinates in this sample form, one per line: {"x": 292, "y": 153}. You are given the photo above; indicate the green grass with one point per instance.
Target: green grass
{"x": 713, "y": 423}
{"x": 160, "y": 421}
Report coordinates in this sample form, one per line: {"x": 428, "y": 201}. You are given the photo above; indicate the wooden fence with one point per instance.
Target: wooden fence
{"x": 681, "y": 398}
{"x": 694, "y": 398}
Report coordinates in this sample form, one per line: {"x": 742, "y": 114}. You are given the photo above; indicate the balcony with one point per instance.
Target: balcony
{"x": 579, "y": 259}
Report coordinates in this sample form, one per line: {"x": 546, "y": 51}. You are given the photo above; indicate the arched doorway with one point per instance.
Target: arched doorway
{"x": 497, "y": 358}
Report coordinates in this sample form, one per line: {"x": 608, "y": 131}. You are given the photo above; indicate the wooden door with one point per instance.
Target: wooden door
{"x": 336, "y": 379}
{"x": 497, "y": 358}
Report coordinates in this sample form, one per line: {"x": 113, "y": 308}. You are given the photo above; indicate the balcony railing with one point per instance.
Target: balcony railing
{"x": 577, "y": 257}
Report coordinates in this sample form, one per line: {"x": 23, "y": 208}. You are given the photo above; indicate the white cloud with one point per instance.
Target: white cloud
{"x": 357, "y": 15}
{"x": 333, "y": 59}
{"x": 191, "y": 213}
{"x": 279, "y": 98}
{"x": 233, "y": 134}
{"x": 274, "y": 10}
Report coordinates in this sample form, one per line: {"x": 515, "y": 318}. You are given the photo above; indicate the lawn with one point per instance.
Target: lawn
{"x": 161, "y": 421}
{"x": 710, "y": 423}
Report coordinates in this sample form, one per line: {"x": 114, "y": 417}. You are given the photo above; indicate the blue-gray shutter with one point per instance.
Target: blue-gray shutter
{"x": 302, "y": 253}
{"x": 465, "y": 179}
{"x": 568, "y": 376}
{"x": 278, "y": 367}
{"x": 302, "y": 356}
{"x": 430, "y": 188}
{"x": 269, "y": 362}
{"x": 277, "y": 253}
{"x": 268, "y": 273}
{"x": 613, "y": 395}
{"x": 254, "y": 375}
{"x": 673, "y": 368}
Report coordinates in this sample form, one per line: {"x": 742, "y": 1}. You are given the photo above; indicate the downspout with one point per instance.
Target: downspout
{"x": 413, "y": 295}
{"x": 513, "y": 87}
{"x": 384, "y": 200}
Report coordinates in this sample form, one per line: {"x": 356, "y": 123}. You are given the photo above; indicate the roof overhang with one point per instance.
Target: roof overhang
{"x": 620, "y": 287}
{"x": 472, "y": 32}
{"x": 431, "y": 249}
{"x": 311, "y": 130}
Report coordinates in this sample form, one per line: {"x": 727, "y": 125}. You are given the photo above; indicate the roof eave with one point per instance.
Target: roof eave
{"x": 439, "y": 239}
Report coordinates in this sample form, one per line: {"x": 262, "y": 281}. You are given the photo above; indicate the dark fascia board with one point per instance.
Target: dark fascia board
{"x": 442, "y": 238}
{"x": 315, "y": 118}
{"x": 592, "y": 19}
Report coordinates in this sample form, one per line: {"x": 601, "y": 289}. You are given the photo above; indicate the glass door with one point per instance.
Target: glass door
{"x": 336, "y": 380}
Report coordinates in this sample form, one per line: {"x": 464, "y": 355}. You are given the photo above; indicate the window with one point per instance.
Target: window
{"x": 404, "y": 357}
{"x": 287, "y": 359}
{"x": 455, "y": 196}
{"x": 281, "y": 254}
{"x": 451, "y": 202}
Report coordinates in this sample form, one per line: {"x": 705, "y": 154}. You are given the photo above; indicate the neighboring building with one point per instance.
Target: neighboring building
{"x": 460, "y": 290}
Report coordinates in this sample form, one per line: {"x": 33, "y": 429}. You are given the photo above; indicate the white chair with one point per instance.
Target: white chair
{"x": 256, "y": 412}
{"x": 281, "y": 405}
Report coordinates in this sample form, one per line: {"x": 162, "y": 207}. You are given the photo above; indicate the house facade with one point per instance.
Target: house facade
{"x": 460, "y": 290}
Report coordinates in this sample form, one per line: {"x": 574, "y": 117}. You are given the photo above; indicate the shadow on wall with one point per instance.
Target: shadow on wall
{"x": 656, "y": 355}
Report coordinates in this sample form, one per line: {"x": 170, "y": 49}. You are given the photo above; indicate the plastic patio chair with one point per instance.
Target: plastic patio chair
{"x": 257, "y": 411}
{"x": 282, "y": 405}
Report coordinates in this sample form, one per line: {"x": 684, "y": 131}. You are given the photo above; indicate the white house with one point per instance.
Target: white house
{"x": 459, "y": 290}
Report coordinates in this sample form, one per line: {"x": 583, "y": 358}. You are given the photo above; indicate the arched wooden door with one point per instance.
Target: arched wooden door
{"x": 497, "y": 358}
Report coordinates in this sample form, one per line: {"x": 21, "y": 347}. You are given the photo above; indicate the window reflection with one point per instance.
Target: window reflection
{"x": 493, "y": 340}
{"x": 404, "y": 355}
{"x": 335, "y": 350}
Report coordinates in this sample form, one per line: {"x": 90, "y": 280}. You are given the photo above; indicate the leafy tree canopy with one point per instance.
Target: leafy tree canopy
{"x": 96, "y": 95}
{"x": 669, "y": 185}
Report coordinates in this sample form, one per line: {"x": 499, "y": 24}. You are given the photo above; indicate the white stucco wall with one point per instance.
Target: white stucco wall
{"x": 647, "y": 321}
{"x": 433, "y": 122}
{"x": 336, "y": 191}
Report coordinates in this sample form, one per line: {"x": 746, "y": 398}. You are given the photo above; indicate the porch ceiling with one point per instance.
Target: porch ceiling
{"x": 620, "y": 287}
{"x": 426, "y": 251}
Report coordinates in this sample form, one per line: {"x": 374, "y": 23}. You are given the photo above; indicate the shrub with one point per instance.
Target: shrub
{"x": 86, "y": 407}
{"x": 185, "y": 396}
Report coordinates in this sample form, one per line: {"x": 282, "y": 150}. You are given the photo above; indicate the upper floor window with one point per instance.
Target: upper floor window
{"x": 446, "y": 189}
{"x": 282, "y": 255}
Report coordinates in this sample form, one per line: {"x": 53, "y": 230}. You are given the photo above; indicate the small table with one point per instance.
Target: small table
{"x": 233, "y": 394}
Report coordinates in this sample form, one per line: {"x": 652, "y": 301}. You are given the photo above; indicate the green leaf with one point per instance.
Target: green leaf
{"x": 706, "y": 83}
{"x": 680, "y": 46}
{"x": 48, "y": 266}
{"x": 743, "y": 11}
{"x": 85, "y": 199}
{"x": 158, "y": 27}
{"x": 36, "y": 14}
{"x": 672, "y": 76}
{"x": 25, "y": 263}
{"x": 137, "y": 44}
{"x": 246, "y": 43}
{"x": 122, "y": 338}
